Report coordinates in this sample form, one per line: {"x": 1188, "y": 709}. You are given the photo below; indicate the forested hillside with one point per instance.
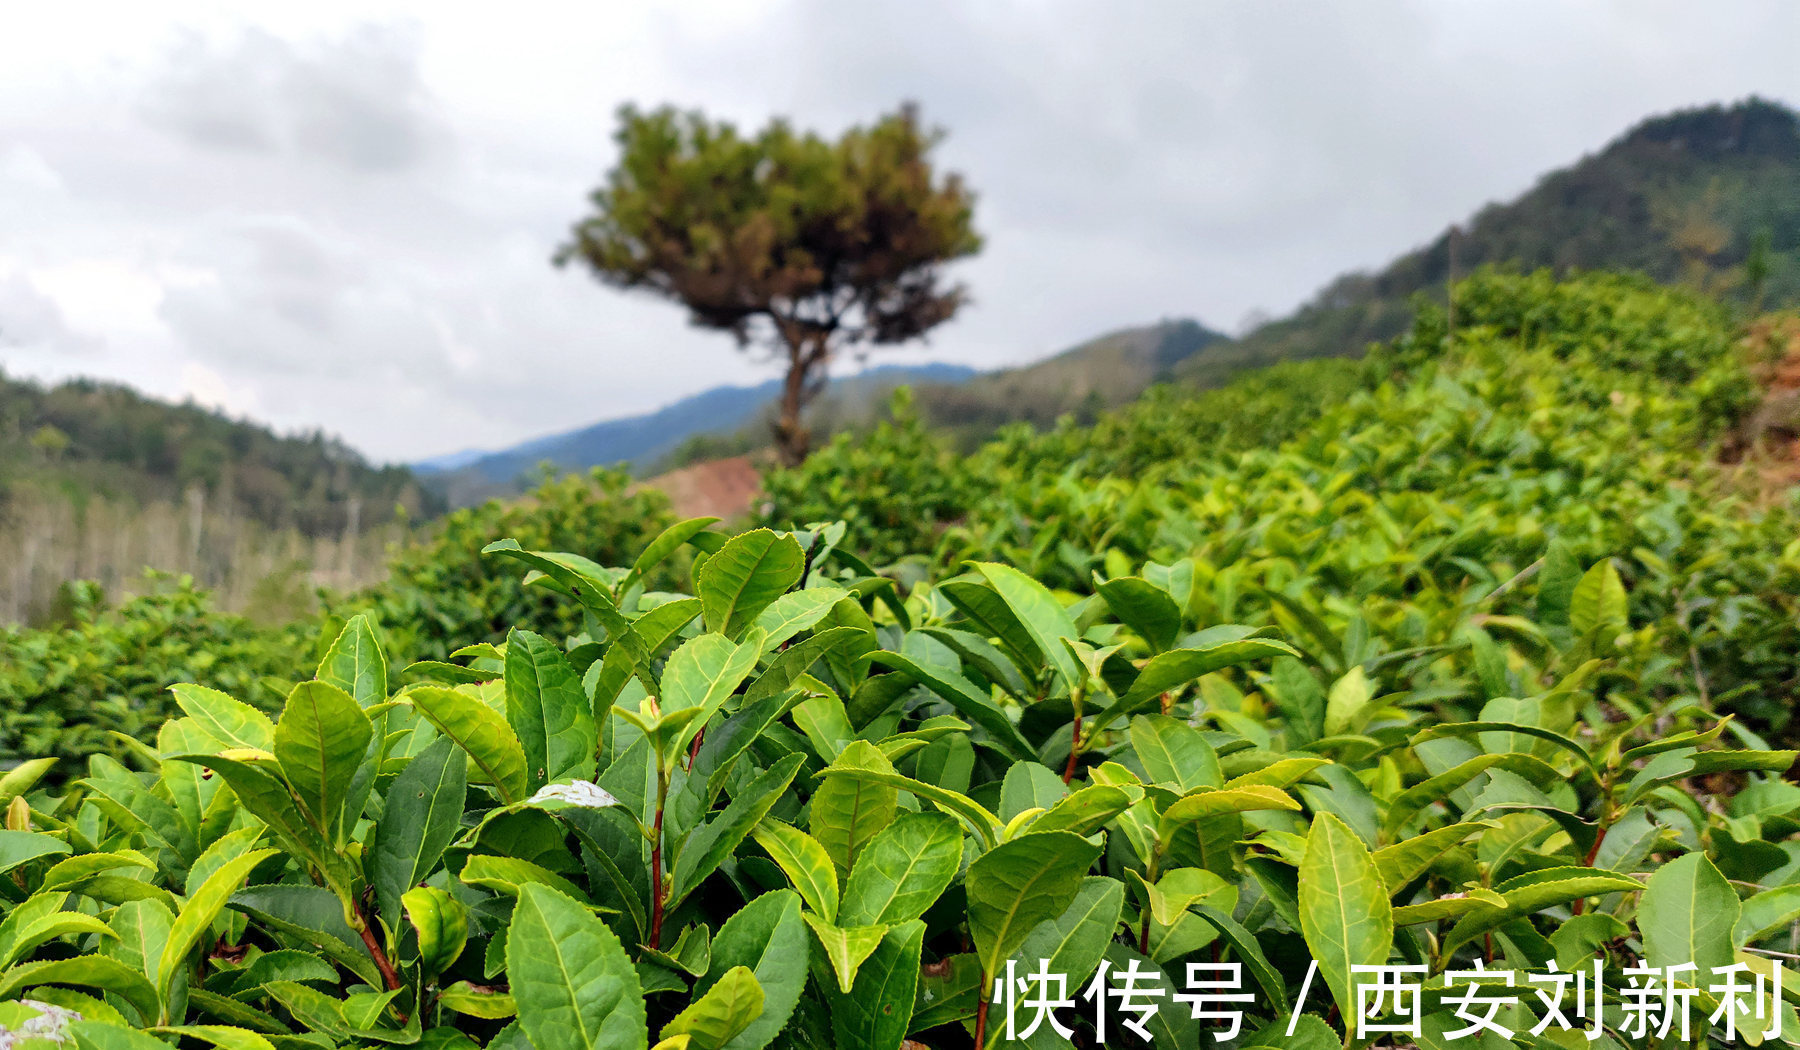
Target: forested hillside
{"x": 1707, "y": 197}
{"x": 97, "y": 481}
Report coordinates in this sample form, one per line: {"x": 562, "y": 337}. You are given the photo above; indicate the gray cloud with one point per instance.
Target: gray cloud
{"x": 32, "y": 323}
{"x": 355, "y": 100}
{"x": 327, "y": 222}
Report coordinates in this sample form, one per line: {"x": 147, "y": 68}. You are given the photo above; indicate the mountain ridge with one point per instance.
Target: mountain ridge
{"x": 1685, "y": 196}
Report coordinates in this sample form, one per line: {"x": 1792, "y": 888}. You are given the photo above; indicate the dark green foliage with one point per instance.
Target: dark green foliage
{"x": 897, "y": 487}
{"x": 1434, "y": 678}
{"x": 105, "y": 439}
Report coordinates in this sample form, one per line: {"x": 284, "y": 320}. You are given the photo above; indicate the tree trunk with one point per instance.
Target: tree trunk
{"x": 792, "y": 441}
{"x": 806, "y": 353}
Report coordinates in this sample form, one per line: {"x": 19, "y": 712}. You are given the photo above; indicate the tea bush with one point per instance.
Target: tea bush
{"x": 75, "y": 689}
{"x": 1408, "y": 489}
{"x": 795, "y": 809}
{"x": 440, "y": 593}
{"x": 1434, "y": 682}
{"x": 99, "y": 681}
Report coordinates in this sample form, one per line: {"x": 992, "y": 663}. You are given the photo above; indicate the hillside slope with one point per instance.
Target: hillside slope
{"x": 99, "y": 482}
{"x": 107, "y": 440}
{"x": 1101, "y": 373}
{"x": 1706, "y": 197}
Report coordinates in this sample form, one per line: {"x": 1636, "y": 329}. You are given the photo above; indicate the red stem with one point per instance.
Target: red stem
{"x": 981, "y": 1009}
{"x": 1074, "y": 749}
{"x": 1599, "y": 837}
{"x": 389, "y": 975}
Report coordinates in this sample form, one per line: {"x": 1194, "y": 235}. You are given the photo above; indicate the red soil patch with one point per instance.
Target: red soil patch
{"x": 722, "y": 488}
{"x": 1769, "y": 440}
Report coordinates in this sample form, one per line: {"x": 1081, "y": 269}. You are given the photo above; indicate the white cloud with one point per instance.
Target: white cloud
{"x": 341, "y": 214}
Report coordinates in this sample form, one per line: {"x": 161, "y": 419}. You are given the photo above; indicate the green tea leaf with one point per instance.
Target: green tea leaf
{"x": 666, "y": 543}
{"x": 1029, "y": 785}
{"x": 1018, "y": 884}
{"x": 970, "y": 702}
{"x": 1073, "y": 942}
{"x": 1344, "y": 910}
{"x": 1177, "y": 667}
{"x": 806, "y": 864}
{"x": 420, "y": 815}
{"x": 86, "y": 971}
{"x": 745, "y": 577}
{"x": 848, "y": 811}
{"x": 1597, "y": 606}
{"x": 94, "y": 1034}
{"x": 1145, "y": 608}
{"x": 1347, "y": 702}
{"x": 845, "y": 947}
{"x": 877, "y": 1010}
{"x": 548, "y": 711}
{"x": 310, "y": 915}
{"x": 574, "y": 985}
{"x": 17, "y": 847}
{"x": 320, "y": 742}
{"x": 233, "y": 722}
{"x": 510, "y": 875}
{"x": 1687, "y": 914}
{"x": 703, "y": 674}
{"x": 1174, "y": 753}
{"x": 902, "y": 872}
{"x": 707, "y": 846}
{"x": 479, "y": 730}
{"x": 1534, "y": 891}
{"x": 796, "y": 611}
{"x": 1405, "y": 861}
{"x": 197, "y": 915}
{"x": 768, "y": 936}
{"x": 864, "y": 763}
{"x": 466, "y": 998}
{"x": 1037, "y": 610}
{"x": 355, "y": 663}
{"x": 712, "y": 1020}
{"x": 441, "y": 923}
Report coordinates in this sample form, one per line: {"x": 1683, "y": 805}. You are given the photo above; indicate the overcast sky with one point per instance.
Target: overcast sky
{"x": 342, "y": 214}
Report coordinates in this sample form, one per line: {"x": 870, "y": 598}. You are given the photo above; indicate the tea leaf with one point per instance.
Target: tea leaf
{"x": 574, "y": 985}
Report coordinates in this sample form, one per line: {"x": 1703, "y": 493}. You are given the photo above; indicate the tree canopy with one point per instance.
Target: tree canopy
{"x": 788, "y": 240}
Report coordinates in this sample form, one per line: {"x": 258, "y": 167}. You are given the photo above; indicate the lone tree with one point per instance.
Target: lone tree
{"x": 787, "y": 240}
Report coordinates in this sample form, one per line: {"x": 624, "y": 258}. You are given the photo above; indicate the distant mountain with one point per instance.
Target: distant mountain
{"x": 98, "y": 482}
{"x": 1707, "y": 196}
{"x": 450, "y": 461}
{"x": 645, "y": 440}
{"x": 106, "y": 440}
{"x": 1101, "y": 373}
